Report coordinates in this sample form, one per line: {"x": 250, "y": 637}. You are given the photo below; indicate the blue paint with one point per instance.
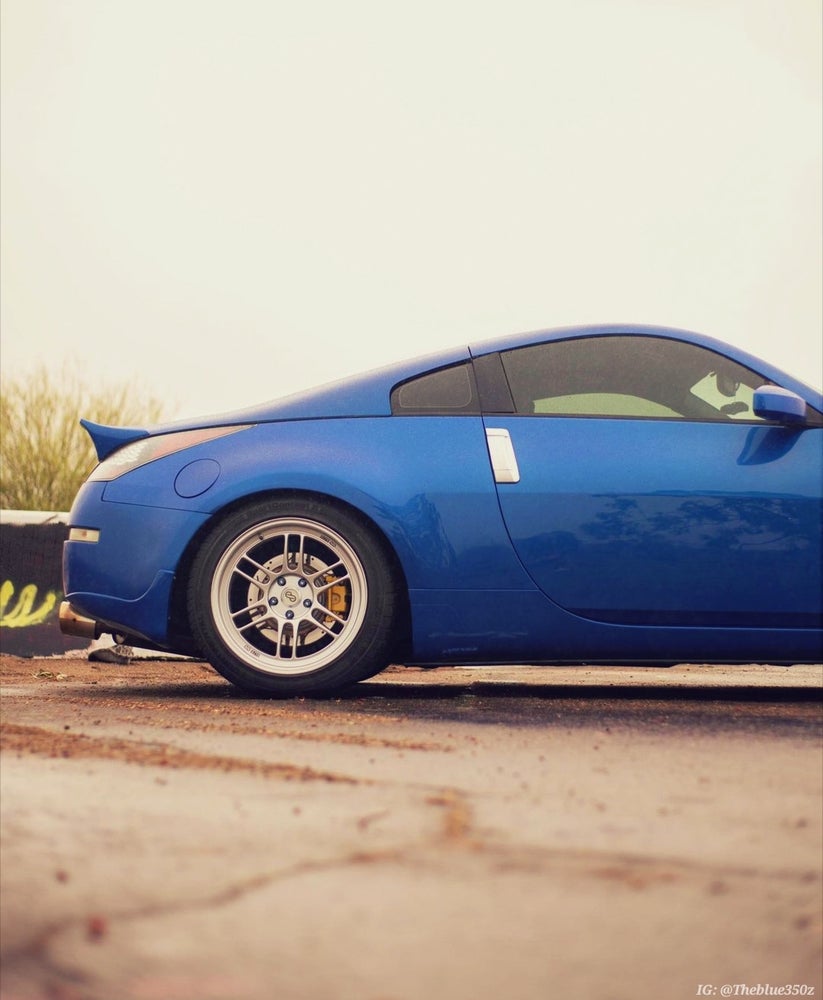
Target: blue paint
{"x": 625, "y": 539}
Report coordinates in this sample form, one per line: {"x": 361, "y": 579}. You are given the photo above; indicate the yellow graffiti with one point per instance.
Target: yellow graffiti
{"x": 24, "y": 613}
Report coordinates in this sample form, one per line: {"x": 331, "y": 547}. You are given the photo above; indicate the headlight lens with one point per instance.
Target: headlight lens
{"x": 132, "y": 456}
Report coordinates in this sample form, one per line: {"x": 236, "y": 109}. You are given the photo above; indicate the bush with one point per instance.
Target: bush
{"x": 45, "y": 455}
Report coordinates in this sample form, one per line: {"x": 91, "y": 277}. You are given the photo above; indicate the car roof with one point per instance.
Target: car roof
{"x": 368, "y": 394}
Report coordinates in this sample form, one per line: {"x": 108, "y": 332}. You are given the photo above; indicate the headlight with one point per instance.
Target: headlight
{"x": 149, "y": 449}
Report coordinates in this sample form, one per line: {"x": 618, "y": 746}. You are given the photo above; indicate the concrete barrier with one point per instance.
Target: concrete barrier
{"x": 31, "y": 584}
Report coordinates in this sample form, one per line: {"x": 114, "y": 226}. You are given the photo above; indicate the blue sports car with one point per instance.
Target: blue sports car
{"x": 613, "y": 494}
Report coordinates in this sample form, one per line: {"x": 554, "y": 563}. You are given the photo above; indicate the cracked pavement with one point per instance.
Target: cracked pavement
{"x": 602, "y": 833}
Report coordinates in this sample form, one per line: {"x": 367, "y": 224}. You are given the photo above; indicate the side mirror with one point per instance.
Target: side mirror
{"x": 773, "y": 403}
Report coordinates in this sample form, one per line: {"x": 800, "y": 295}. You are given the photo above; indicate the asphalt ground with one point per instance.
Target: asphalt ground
{"x": 517, "y": 832}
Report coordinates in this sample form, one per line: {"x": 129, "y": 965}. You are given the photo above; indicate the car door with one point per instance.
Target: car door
{"x": 638, "y": 487}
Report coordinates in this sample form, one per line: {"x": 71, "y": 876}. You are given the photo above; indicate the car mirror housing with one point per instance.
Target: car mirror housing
{"x": 773, "y": 403}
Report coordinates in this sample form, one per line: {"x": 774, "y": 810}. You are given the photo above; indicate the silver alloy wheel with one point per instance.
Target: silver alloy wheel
{"x": 288, "y": 596}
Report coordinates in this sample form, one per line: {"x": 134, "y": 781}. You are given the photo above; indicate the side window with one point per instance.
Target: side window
{"x": 446, "y": 391}
{"x": 630, "y": 376}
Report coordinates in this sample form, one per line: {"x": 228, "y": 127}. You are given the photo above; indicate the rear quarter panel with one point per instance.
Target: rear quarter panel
{"x": 426, "y": 482}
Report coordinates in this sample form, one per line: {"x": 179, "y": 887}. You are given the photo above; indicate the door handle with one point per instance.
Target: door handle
{"x": 501, "y": 453}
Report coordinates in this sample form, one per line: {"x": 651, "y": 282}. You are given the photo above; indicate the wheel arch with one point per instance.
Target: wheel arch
{"x": 178, "y": 616}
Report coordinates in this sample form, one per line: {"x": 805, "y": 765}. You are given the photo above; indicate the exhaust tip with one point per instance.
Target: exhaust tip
{"x": 73, "y": 623}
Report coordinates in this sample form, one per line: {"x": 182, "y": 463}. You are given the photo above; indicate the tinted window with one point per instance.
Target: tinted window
{"x": 448, "y": 390}
{"x": 630, "y": 376}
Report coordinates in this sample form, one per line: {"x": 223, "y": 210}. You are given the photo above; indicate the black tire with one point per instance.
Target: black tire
{"x": 293, "y": 596}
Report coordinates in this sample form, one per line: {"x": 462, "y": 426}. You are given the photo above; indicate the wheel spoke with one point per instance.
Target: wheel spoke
{"x": 321, "y": 588}
{"x": 252, "y": 579}
{"x": 325, "y": 570}
{"x": 259, "y": 568}
{"x": 293, "y": 557}
{"x": 325, "y": 628}
{"x": 286, "y": 650}
{"x": 266, "y": 619}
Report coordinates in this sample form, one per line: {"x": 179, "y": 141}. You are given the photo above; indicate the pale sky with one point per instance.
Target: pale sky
{"x": 223, "y": 201}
